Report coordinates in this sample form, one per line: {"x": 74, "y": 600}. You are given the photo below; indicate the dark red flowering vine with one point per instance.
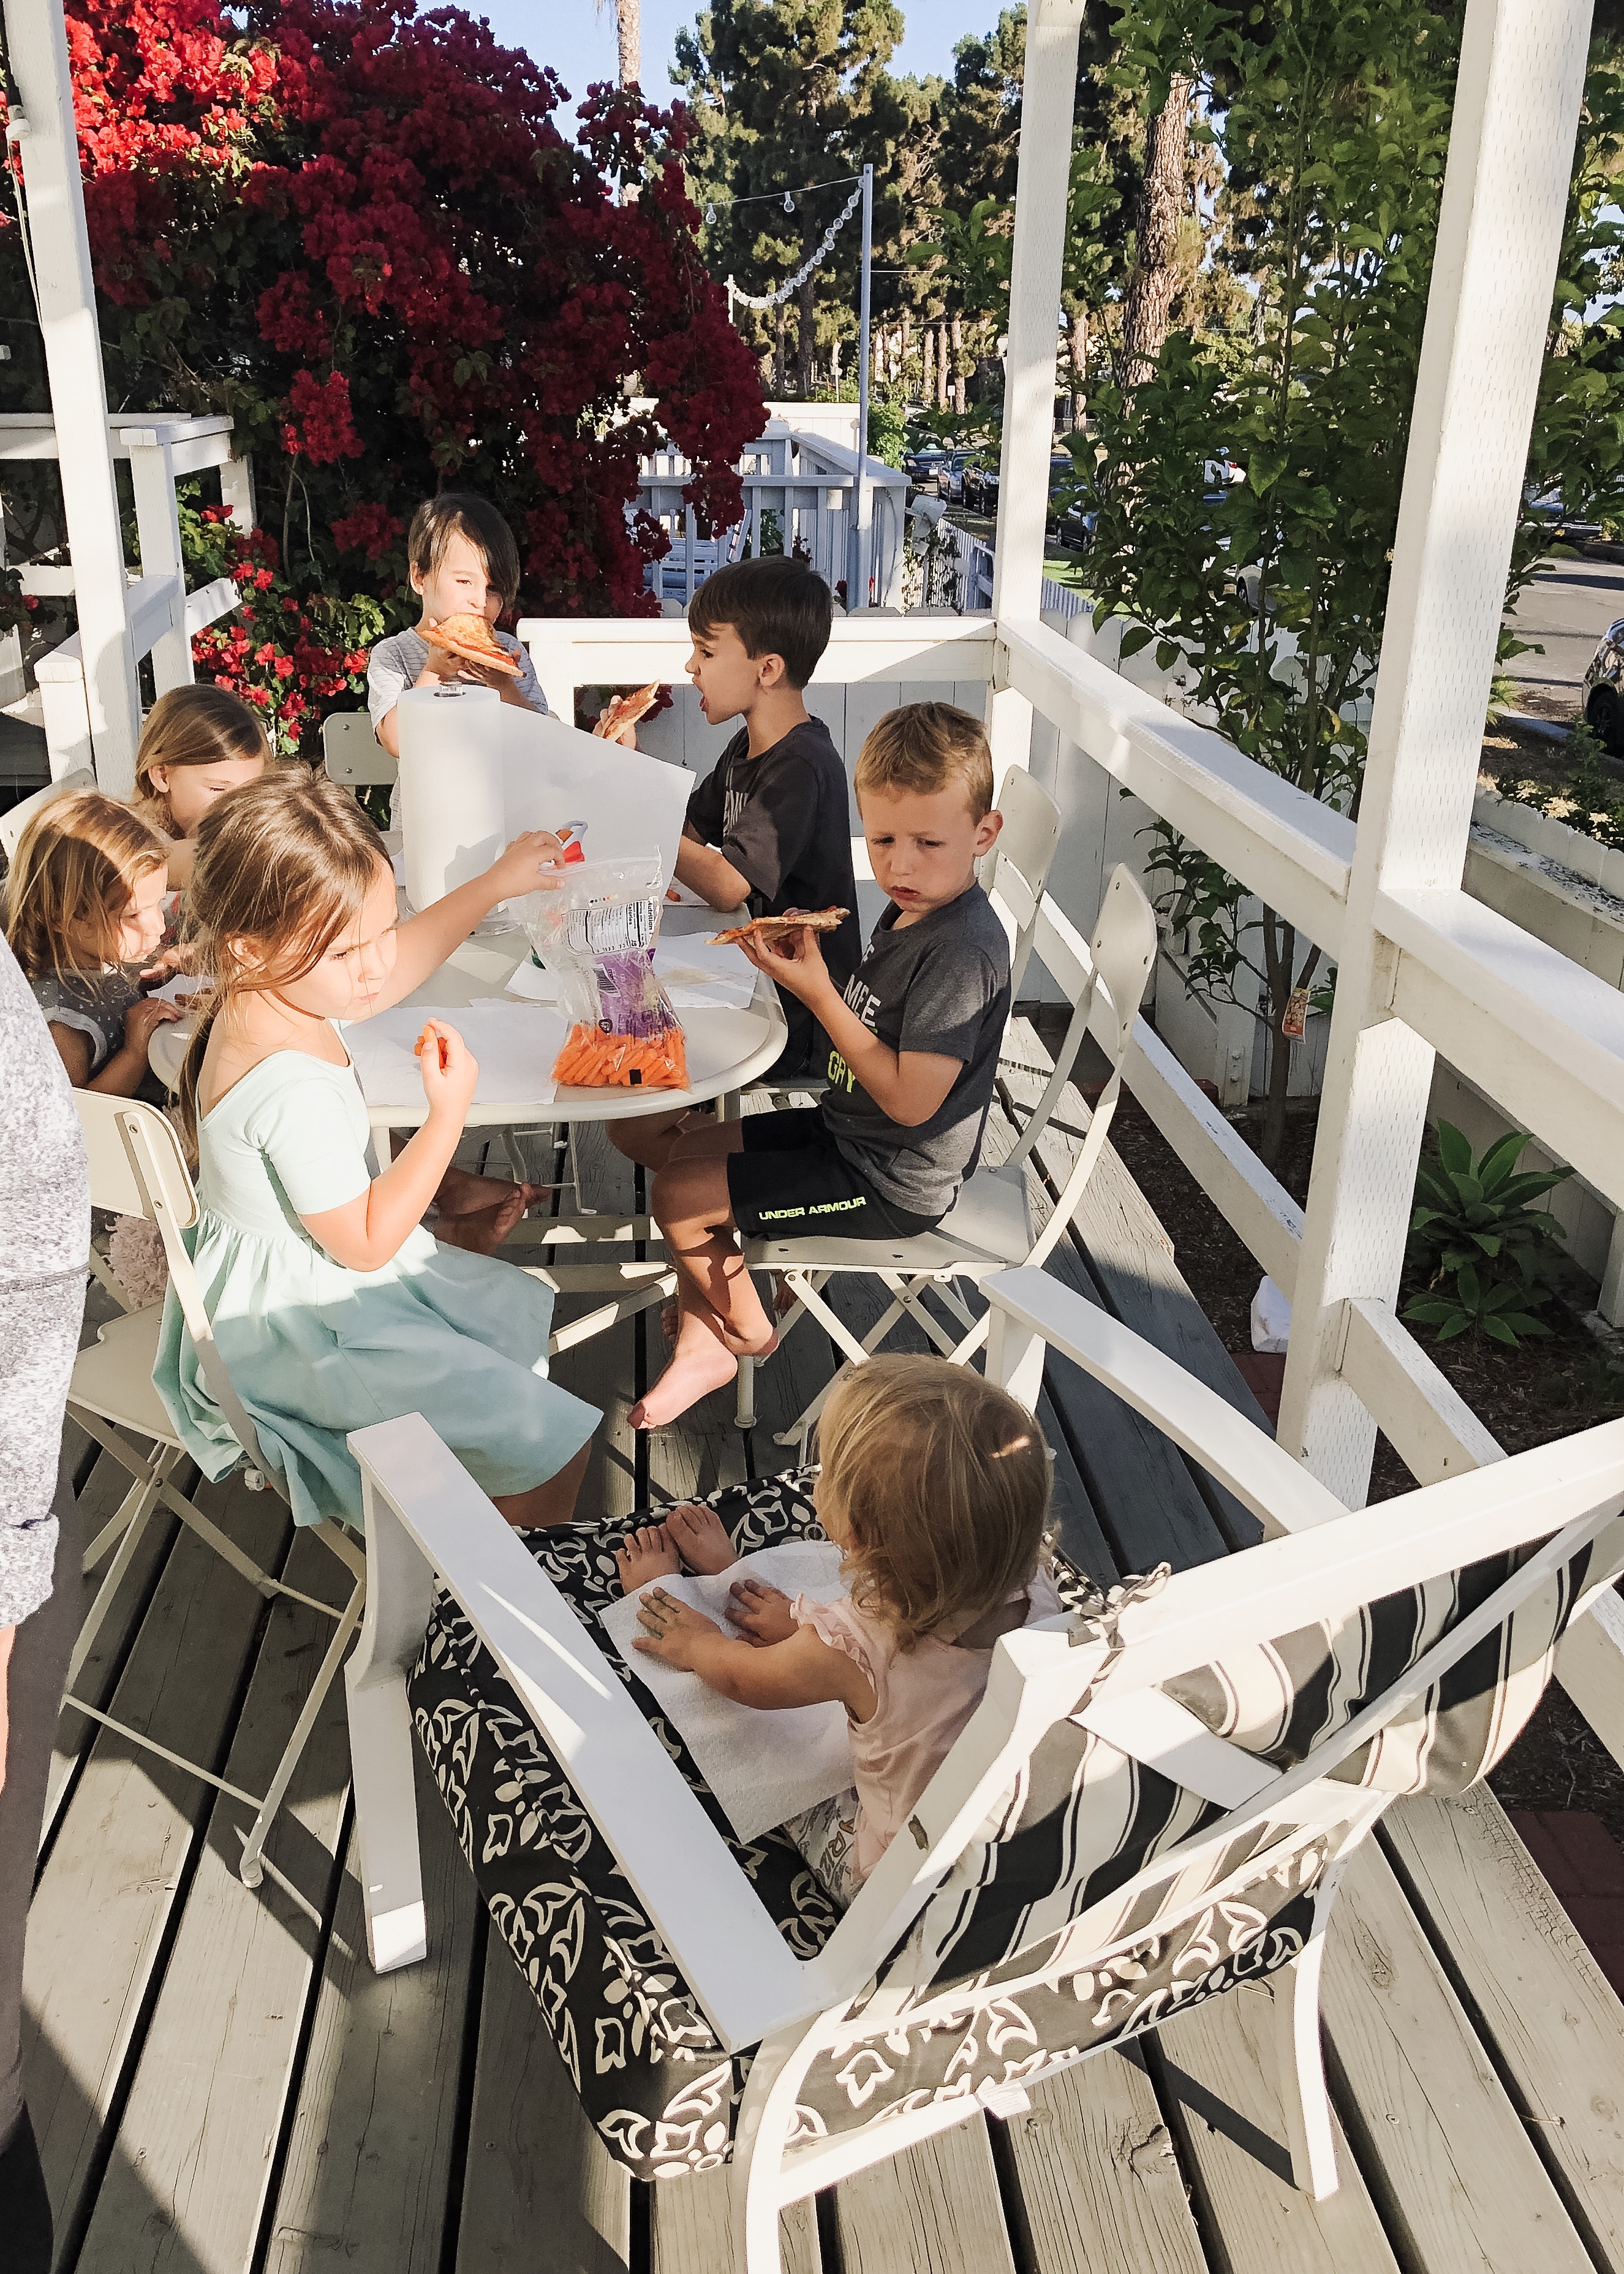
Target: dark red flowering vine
{"x": 358, "y": 229}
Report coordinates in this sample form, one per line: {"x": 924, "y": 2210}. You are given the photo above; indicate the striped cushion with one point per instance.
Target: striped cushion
{"x": 1084, "y": 1818}
{"x": 1280, "y": 1699}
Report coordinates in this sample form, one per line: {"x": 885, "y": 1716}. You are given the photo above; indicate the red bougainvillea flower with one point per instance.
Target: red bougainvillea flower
{"x": 358, "y": 229}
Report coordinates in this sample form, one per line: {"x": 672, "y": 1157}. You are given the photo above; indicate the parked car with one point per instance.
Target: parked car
{"x": 924, "y": 469}
{"x": 1604, "y": 690}
{"x": 1549, "y": 507}
{"x": 935, "y": 472}
{"x": 979, "y": 491}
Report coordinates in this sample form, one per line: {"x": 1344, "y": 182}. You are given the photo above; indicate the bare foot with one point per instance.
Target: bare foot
{"x": 647, "y": 1554}
{"x": 671, "y": 1327}
{"x": 700, "y": 1537}
{"x": 483, "y": 1231}
{"x": 462, "y": 1192}
{"x": 701, "y": 1362}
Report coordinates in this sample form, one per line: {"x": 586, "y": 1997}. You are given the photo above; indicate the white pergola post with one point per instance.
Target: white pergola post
{"x": 1504, "y": 192}
{"x": 1048, "y": 90}
{"x": 37, "y": 46}
{"x": 157, "y": 522}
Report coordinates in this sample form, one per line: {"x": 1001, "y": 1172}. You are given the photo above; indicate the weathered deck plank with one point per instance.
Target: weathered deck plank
{"x": 540, "y": 2187}
{"x": 1099, "y": 2177}
{"x": 1220, "y": 2074}
{"x": 691, "y": 2230}
{"x": 185, "y": 2192}
{"x": 934, "y": 2209}
{"x": 367, "y": 2180}
{"x": 1439, "y": 2138}
{"x": 1555, "y": 2019}
{"x": 102, "y": 1910}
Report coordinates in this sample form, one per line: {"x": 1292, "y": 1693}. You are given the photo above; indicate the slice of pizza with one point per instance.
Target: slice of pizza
{"x": 770, "y": 930}
{"x": 471, "y": 636}
{"x": 626, "y": 710}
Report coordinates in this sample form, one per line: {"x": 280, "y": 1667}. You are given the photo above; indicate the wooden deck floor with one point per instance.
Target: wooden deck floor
{"x": 220, "y": 2083}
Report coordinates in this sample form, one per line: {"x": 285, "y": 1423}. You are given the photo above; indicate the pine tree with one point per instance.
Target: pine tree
{"x": 787, "y": 94}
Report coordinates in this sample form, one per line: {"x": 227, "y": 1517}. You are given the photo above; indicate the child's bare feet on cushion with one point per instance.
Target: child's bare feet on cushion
{"x": 700, "y": 1537}
{"x": 481, "y": 1231}
{"x": 646, "y": 1554}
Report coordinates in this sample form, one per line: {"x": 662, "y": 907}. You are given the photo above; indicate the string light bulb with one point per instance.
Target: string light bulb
{"x": 709, "y": 212}
{"x": 789, "y": 202}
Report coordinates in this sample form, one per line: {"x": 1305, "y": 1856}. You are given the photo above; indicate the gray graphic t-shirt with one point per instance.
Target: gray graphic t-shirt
{"x": 940, "y": 987}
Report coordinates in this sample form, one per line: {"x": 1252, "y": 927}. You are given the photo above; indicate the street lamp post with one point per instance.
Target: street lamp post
{"x": 857, "y": 551}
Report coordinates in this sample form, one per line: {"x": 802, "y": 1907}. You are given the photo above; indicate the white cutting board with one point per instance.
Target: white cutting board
{"x": 554, "y": 773}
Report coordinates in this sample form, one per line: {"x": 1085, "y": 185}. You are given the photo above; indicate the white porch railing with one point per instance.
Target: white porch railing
{"x": 806, "y": 481}
{"x": 161, "y": 614}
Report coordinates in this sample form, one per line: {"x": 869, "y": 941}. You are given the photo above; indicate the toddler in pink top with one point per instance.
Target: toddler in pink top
{"x": 936, "y": 1484}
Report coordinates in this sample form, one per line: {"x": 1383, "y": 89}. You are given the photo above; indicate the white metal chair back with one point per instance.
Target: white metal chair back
{"x": 1105, "y": 996}
{"x": 352, "y": 753}
{"x": 13, "y": 823}
{"x": 940, "y": 1934}
{"x": 1015, "y": 871}
{"x": 137, "y": 1168}
{"x": 990, "y": 1228}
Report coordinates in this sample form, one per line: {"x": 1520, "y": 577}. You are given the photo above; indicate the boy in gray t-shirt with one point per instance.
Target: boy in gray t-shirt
{"x": 914, "y": 1052}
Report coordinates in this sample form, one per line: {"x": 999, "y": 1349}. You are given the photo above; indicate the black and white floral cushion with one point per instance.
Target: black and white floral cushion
{"x": 992, "y": 1986}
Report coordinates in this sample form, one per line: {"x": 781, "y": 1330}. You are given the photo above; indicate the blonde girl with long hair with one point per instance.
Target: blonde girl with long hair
{"x": 198, "y": 743}
{"x": 935, "y": 1483}
{"x": 332, "y": 1306}
{"x": 83, "y": 914}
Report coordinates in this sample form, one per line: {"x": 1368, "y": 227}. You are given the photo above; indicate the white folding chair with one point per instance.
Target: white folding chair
{"x": 990, "y": 1227}
{"x": 137, "y": 1168}
{"x": 13, "y": 823}
{"x": 352, "y": 753}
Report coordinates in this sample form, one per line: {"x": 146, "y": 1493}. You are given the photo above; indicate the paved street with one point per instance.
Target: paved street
{"x": 1566, "y": 608}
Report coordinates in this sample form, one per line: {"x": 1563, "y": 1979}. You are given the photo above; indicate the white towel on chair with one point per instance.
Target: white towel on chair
{"x": 762, "y": 1765}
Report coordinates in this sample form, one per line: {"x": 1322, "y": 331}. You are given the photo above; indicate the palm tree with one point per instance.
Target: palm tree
{"x": 628, "y": 38}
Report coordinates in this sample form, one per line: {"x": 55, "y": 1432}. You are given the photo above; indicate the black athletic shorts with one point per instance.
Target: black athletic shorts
{"x": 791, "y": 1179}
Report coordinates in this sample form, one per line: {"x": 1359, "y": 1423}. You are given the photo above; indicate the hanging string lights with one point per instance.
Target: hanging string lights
{"x": 792, "y": 285}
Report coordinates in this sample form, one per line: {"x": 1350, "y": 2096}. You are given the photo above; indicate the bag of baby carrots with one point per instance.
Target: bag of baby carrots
{"x": 594, "y": 935}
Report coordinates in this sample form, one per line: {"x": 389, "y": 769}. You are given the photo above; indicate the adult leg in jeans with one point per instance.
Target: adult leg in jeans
{"x": 38, "y": 1667}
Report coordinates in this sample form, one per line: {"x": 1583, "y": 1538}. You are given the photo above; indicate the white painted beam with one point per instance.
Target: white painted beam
{"x": 1042, "y": 184}
{"x": 1277, "y": 840}
{"x": 1517, "y": 108}
{"x": 37, "y": 50}
{"x": 153, "y": 473}
{"x": 571, "y": 652}
{"x": 1252, "y": 1202}
{"x": 1535, "y": 1031}
{"x": 1426, "y": 1420}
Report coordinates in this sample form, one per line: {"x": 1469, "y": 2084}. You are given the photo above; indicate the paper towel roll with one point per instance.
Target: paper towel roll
{"x": 451, "y": 786}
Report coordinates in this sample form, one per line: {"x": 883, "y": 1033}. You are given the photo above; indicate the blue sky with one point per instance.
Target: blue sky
{"x": 579, "y": 42}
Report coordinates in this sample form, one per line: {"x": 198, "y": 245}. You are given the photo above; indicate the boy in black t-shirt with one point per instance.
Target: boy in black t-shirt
{"x": 913, "y": 1038}
{"x": 771, "y": 824}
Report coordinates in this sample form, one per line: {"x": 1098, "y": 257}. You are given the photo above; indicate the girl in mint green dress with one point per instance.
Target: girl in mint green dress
{"x": 331, "y": 1305}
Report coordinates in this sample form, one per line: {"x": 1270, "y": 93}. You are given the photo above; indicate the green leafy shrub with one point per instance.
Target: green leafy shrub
{"x": 1483, "y": 1251}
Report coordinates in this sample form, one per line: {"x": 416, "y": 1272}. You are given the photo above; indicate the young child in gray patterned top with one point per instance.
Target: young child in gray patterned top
{"x": 913, "y": 1042}
{"x": 83, "y": 911}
